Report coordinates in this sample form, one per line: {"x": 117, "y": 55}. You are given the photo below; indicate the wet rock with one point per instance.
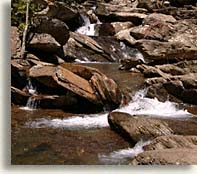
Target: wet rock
{"x": 54, "y": 27}
{"x": 171, "y": 141}
{"x": 15, "y": 42}
{"x": 44, "y": 42}
{"x": 174, "y": 156}
{"x": 18, "y": 96}
{"x": 137, "y": 128}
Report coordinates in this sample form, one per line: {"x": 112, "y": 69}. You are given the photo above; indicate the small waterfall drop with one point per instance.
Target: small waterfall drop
{"x": 123, "y": 155}
{"x": 32, "y": 102}
{"x": 88, "y": 28}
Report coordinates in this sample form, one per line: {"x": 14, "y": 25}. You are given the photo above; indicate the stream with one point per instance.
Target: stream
{"x": 43, "y": 136}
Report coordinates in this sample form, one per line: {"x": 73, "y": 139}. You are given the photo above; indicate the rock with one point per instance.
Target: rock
{"x": 15, "y": 42}
{"x": 59, "y": 10}
{"x": 105, "y": 29}
{"x": 159, "y": 17}
{"x": 19, "y": 69}
{"x": 171, "y": 141}
{"x": 179, "y": 13}
{"x": 125, "y": 36}
{"x": 137, "y": 128}
{"x": 86, "y": 83}
{"x": 95, "y": 49}
{"x": 163, "y": 41}
{"x": 129, "y": 63}
{"x": 44, "y": 42}
{"x": 179, "y": 3}
{"x": 54, "y": 27}
{"x": 18, "y": 96}
{"x": 119, "y": 26}
{"x": 122, "y": 12}
{"x": 156, "y": 51}
{"x": 174, "y": 156}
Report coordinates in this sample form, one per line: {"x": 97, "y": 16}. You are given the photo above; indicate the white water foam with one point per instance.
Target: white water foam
{"x": 140, "y": 105}
{"x": 32, "y": 103}
{"x": 123, "y": 155}
{"x": 77, "y": 123}
{"x": 88, "y": 28}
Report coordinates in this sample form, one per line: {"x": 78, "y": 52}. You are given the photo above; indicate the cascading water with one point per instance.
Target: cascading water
{"x": 140, "y": 105}
{"x": 32, "y": 102}
{"x": 123, "y": 155}
{"x": 88, "y": 28}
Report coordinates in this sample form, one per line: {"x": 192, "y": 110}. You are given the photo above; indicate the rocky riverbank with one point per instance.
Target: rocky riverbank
{"x": 93, "y": 56}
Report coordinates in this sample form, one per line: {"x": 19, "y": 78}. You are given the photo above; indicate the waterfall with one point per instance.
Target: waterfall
{"x": 32, "y": 102}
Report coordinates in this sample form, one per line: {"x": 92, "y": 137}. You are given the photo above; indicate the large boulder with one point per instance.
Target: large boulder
{"x": 138, "y": 128}
{"x": 144, "y": 127}
{"x": 54, "y": 27}
{"x": 44, "y": 42}
{"x": 86, "y": 83}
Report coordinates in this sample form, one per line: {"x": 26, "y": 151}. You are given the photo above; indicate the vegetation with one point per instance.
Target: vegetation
{"x": 18, "y": 10}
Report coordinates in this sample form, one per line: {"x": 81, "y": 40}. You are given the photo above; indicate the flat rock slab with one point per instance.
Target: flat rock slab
{"x": 137, "y": 128}
{"x": 174, "y": 156}
{"x": 171, "y": 141}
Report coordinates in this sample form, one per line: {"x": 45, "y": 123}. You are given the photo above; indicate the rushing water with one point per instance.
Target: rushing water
{"x": 88, "y": 28}
{"x": 140, "y": 105}
{"x": 123, "y": 155}
{"x": 32, "y": 102}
